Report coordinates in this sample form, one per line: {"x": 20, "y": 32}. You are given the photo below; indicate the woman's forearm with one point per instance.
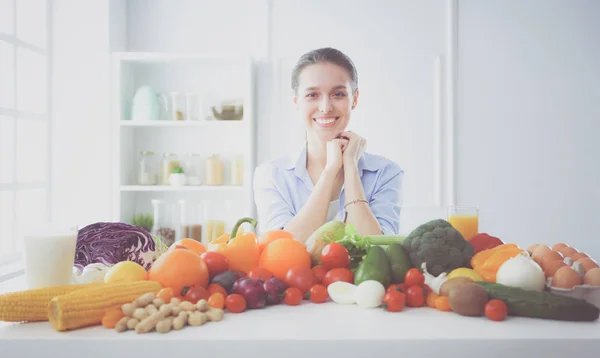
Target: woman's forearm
{"x": 314, "y": 213}
{"x": 359, "y": 213}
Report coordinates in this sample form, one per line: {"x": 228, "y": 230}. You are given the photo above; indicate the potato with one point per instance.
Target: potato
{"x": 468, "y": 299}
{"x": 451, "y": 283}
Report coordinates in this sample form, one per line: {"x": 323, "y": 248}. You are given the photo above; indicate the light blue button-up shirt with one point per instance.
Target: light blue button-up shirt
{"x": 282, "y": 187}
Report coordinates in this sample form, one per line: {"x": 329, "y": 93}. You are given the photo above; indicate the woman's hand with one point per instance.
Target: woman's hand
{"x": 356, "y": 147}
{"x": 335, "y": 148}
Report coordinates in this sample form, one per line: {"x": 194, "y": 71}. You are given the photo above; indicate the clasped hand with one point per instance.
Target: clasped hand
{"x": 345, "y": 151}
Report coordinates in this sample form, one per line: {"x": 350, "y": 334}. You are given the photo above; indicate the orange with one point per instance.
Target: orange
{"x": 270, "y": 236}
{"x": 179, "y": 269}
{"x": 283, "y": 254}
{"x": 190, "y": 244}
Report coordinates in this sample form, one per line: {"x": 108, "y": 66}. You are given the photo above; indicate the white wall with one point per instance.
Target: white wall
{"x": 529, "y": 119}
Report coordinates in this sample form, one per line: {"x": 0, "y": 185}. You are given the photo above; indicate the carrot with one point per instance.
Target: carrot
{"x": 112, "y": 316}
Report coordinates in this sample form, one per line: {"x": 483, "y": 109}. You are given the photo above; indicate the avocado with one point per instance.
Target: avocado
{"x": 544, "y": 305}
{"x": 399, "y": 262}
{"x": 375, "y": 266}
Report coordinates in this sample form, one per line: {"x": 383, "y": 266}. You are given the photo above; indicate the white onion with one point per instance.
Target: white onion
{"x": 522, "y": 272}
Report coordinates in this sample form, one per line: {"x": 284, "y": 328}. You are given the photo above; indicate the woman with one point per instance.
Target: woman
{"x": 332, "y": 176}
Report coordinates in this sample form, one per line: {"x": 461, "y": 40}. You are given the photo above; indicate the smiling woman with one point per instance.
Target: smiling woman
{"x": 332, "y": 177}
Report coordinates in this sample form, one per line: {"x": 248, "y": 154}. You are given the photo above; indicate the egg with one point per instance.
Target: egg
{"x": 531, "y": 249}
{"x": 587, "y": 263}
{"x": 539, "y": 252}
{"x": 567, "y": 251}
{"x": 577, "y": 256}
{"x": 592, "y": 277}
{"x": 559, "y": 246}
{"x": 549, "y": 257}
{"x": 551, "y": 267}
{"x": 566, "y": 277}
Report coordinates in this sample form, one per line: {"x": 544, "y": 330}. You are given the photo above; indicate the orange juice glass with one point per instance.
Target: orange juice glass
{"x": 465, "y": 219}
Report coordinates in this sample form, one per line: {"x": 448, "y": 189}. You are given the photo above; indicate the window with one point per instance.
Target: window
{"x": 24, "y": 121}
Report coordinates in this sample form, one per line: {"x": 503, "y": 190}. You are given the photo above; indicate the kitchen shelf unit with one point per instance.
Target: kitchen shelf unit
{"x": 218, "y": 79}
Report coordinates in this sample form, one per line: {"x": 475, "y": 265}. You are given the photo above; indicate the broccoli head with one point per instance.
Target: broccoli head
{"x": 439, "y": 245}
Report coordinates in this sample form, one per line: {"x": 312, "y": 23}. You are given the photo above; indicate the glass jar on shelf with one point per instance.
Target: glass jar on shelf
{"x": 193, "y": 169}
{"x": 214, "y": 170}
{"x": 170, "y": 162}
{"x": 178, "y": 106}
{"x": 237, "y": 170}
{"x": 148, "y": 172}
{"x": 190, "y": 222}
{"x": 164, "y": 225}
{"x": 214, "y": 225}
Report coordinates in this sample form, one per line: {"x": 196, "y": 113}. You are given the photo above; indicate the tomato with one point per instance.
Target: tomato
{"x": 195, "y": 294}
{"x": 496, "y": 310}
{"x": 165, "y": 294}
{"x": 216, "y": 300}
{"x": 216, "y": 262}
{"x": 335, "y": 255}
{"x": 293, "y": 296}
{"x": 338, "y": 274}
{"x": 318, "y": 293}
{"x": 215, "y": 287}
{"x": 395, "y": 287}
{"x": 301, "y": 277}
{"x": 320, "y": 272}
{"x": 235, "y": 303}
{"x": 414, "y": 277}
{"x": 394, "y": 301}
{"x": 260, "y": 273}
{"x": 415, "y": 296}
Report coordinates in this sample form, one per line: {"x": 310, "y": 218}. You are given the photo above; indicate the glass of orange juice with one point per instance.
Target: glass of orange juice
{"x": 465, "y": 219}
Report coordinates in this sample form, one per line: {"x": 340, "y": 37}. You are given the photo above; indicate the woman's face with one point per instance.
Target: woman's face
{"x": 325, "y": 100}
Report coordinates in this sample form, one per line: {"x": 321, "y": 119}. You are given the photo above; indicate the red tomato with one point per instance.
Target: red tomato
{"x": 235, "y": 303}
{"x": 293, "y": 296}
{"x": 320, "y": 272}
{"x": 496, "y": 310}
{"x": 318, "y": 294}
{"x": 196, "y": 293}
{"x": 338, "y": 274}
{"x": 260, "y": 273}
{"x": 301, "y": 277}
{"x": 415, "y": 296}
{"x": 216, "y": 262}
{"x": 414, "y": 277}
{"x": 394, "y": 301}
{"x": 335, "y": 255}
{"x": 395, "y": 287}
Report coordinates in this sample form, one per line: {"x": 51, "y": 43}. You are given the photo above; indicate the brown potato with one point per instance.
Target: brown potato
{"x": 451, "y": 283}
{"x": 468, "y": 299}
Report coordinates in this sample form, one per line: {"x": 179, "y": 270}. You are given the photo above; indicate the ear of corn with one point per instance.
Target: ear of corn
{"x": 87, "y": 307}
{"x": 32, "y": 305}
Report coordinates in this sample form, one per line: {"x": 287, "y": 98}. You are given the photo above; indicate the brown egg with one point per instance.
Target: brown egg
{"x": 577, "y": 256}
{"x": 550, "y": 256}
{"x": 567, "y": 251}
{"x": 587, "y": 263}
{"x": 539, "y": 252}
{"x": 551, "y": 267}
{"x": 566, "y": 277}
{"x": 559, "y": 246}
{"x": 592, "y": 277}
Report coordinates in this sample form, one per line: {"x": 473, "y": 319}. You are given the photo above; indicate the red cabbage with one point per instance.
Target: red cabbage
{"x": 111, "y": 242}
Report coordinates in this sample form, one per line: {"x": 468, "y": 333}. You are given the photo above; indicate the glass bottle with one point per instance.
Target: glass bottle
{"x": 169, "y": 162}
{"x": 163, "y": 226}
{"x": 148, "y": 172}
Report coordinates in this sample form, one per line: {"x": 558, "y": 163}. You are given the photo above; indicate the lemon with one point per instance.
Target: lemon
{"x": 465, "y": 272}
{"x": 125, "y": 271}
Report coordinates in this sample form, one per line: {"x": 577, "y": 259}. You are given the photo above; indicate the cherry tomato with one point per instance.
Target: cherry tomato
{"x": 293, "y": 296}
{"x": 395, "y": 287}
{"x": 216, "y": 300}
{"x": 496, "y": 310}
{"x": 260, "y": 273}
{"x": 338, "y": 274}
{"x": 235, "y": 303}
{"x": 318, "y": 293}
{"x": 394, "y": 301}
{"x": 216, "y": 262}
{"x": 165, "y": 294}
{"x": 195, "y": 294}
{"x": 414, "y": 277}
{"x": 215, "y": 287}
{"x": 415, "y": 296}
{"x": 320, "y": 272}
{"x": 301, "y": 277}
{"x": 335, "y": 255}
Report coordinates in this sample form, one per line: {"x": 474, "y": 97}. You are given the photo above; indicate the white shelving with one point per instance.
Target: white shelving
{"x": 216, "y": 79}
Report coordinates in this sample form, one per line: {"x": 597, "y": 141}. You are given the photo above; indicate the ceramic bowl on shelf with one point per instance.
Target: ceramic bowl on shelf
{"x": 177, "y": 179}
{"x": 228, "y": 111}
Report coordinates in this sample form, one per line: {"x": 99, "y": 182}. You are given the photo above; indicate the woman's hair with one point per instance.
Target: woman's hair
{"x": 322, "y": 55}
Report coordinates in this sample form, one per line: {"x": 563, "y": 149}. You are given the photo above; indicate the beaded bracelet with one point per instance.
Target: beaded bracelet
{"x": 355, "y": 201}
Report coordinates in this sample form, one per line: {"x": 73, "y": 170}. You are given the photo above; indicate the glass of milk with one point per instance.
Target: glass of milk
{"x": 49, "y": 256}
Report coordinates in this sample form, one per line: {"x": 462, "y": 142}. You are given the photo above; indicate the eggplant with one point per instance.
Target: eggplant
{"x": 252, "y": 290}
{"x": 227, "y": 279}
{"x": 275, "y": 290}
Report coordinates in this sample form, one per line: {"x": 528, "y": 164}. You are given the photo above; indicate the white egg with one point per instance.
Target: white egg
{"x": 341, "y": 292}
{"x": 369, "y": 294}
